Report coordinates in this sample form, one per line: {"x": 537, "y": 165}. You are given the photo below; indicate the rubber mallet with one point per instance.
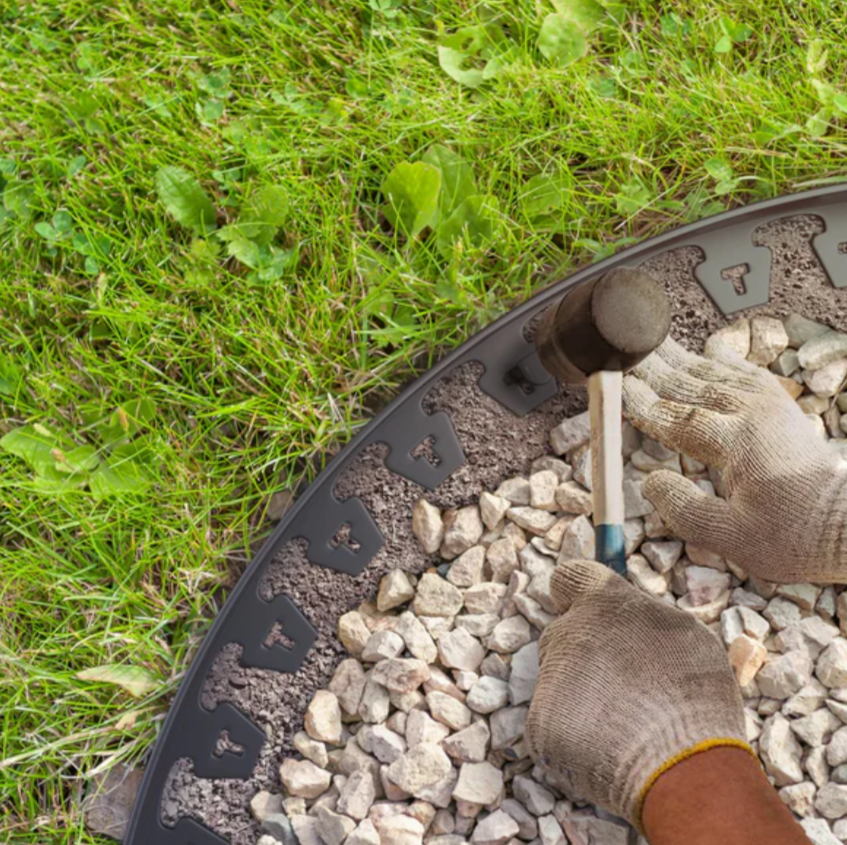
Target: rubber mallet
{"x": 595, "y": 334}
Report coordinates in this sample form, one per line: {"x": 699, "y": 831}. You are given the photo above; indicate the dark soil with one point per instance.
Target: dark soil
{"x": 497, "y": 445}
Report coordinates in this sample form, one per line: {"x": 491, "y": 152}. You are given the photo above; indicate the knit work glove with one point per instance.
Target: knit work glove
{"x": 785, "y": 516}
{"x": 627, "y": 688}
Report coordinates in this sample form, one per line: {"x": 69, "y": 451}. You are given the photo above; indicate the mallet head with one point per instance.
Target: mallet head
{"x": 609, "y": 323}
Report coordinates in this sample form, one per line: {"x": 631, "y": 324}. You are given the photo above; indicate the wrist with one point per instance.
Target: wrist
{"x": 718, "y": 797}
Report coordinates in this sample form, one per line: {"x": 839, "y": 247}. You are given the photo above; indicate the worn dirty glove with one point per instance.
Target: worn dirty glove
{"x": 785, "y": 516}
{"x": 627, "y": 688}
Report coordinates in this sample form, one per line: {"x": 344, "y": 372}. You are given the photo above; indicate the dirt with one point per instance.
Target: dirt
{"x": 497, "y": 445}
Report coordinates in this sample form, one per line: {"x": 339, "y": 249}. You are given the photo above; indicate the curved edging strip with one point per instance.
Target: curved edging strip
{"x": 514, "y": 377}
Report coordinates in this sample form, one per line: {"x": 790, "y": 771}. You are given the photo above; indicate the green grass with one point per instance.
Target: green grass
{"x": 256, "y": 382}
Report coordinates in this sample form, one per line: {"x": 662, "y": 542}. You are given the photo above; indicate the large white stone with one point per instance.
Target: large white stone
{"x": 423, "y": 765}
{"x": 479, "y": 783}
{"x": 427, "y": 525}
{"x": 768, "y": 339}
{"x": 459, "y": 650}
{"x": 782, "y": 676}
{"x": 780, "y": 751}
{"x": 819, "y": 351}
{"x": 509, "y": 635}
{"x": 467, "y": 569}
{"x": 348, "y": 684}
{"x": 469, "y": 745}
{"x": 323, "y": 718}
{"x": 448, "y": 710}
{"x": 832, "y": 665}
{"x": 570, "y": 433}
{"x": 401, "y": 674}
{"x": 818, "y": 832}
{"x": 524, "y": 675}
{"x": 437, "y": 597}
{"x": 487, "y": 695}
{"x": 495, "y": 829}
{"x": 462, "y": 529}
{"x": 395, "y": 589}
{"x": 416, "y": 637}
{"x": 303, "y": 779}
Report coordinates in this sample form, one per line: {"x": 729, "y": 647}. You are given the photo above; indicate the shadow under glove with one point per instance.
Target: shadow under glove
{"x": 628, "y": 687}
{"x": 785, "y": 516}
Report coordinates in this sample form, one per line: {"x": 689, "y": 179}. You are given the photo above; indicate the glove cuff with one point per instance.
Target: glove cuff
{"x": 698, "y": 748}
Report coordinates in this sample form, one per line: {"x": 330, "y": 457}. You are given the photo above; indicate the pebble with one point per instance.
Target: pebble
{"x": 806, "y": 700}
{"x": 459, "y": 650}
{"x": 467, "y": 569}
{"x": 542, "y": 490}
{"x": 705, "y": 584}
{"x": 306, "y": 830}
{"x": 382, "y": 645}
{"x": 662, "y": 554}
{"x": 323, "y": 718}
{"x": 353, "y": 632}
{"x": 416, "y": 638}
{"x": 400, "y": 830}
{"x": 570, "y": 433}
{"x": 799, "y": 797}
{"x": 509, "y": 635}
{"x": 768, "y": 338}
{"x": 832, "y": 665}
{"x": 828, "y": 380}
{"x": 333, "y": 828}
{"x": 478, "y": 624}
{"x": 348, "y": 684}
{"x": 421, "y": 727}
{"x": 469, "y": 745}
{"x": 502, "y": 559}
{"x": 436, "y": 597}
{"x": 801, "y": 329}
{"x": 487, "y": 695}
{"x": 423, "y": 765}
{"x": 535, "y": 521}
{"x": 746, "y": 656}
{"x": 824, "y": 349}
{"x": 782, "y": 613}
{"x": 816, "y": 728}
{"x": 485, "y": 598}
{"x": 479, "y": 783}
{"x": 398, "y": 674}
{"x": 736, "y": 336}
{"x": 577, "y": 541}
{"x": 395, "y": 589}
{"x": 507, "y": 726}
{"x": 644, "y": 576}
{"x": 311, "y": 749}
{"x": 303, "y": 779}
{"x": 357, "y": 795}
{"x": 462, "y": 529}
{"x": 374, "y": 704}
{"x": 514, "y": 490}
{"x": 782, "y": 676}
{"x": 780, "y": 751}
{"x": 526, "y": 822}
{"x": 492, "y": 509}
{"x": 264, "y": 804}
{"x": 427, "y": 526}
{"x": 524, "y": 674}
{"x": 536, "y": 798}
{"x": 831, "y": 801}
{"x": 573, "y": 498}
{"x": 447, "y": 710}
{"x": 635, "y": 502}
{"x": 787, "y": 363}
{"x": 818, "y": 832}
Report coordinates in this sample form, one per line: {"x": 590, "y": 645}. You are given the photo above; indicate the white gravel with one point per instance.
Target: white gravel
{"x": 419, "y": 736}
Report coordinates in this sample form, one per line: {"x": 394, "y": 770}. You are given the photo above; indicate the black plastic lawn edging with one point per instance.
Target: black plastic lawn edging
{"x": 515, "y": 378}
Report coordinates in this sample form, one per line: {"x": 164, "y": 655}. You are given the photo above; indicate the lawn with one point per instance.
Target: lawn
{"x": 161, "y": 381}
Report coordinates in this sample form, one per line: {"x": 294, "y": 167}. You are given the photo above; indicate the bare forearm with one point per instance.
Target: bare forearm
{"x": 719, "y": 797}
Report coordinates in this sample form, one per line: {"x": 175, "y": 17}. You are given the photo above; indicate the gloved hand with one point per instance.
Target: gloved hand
{"x": 627, "y": 688}
{"x": 785, "y": 518}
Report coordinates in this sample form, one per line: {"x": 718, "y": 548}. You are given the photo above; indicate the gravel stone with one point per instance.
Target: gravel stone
{"x": 509, "y": 635}
{"x": 542, "y": 490}
{"x": 353, "y": 632}
{"x": 486, "y": 597}
{"x": 333, "y": 827}
{"x": 478, "y": 624}
{"x": 831, "y": 801}
{"x": 479, "y": 783}
{"x": 818, "y": 832}
{"x": 577, "y": 541}
{"x": 768, "y": 338}
{"x": 526, "y": 822}
{"x": 496, "y": 829}
{"x": 348, "y": 684}
{"x": 264, "y": 804}
{"x": 662, "y": 554}
{"x": 423, "y": 765}
{"x": 395, "y": 589}
{"x": 400, "y": 830}
{"x": 357, "y": 795}
{"x": 416, "y": 638}
{"x": 536, "y": 798}
{"x": 375, "y": 703}
{"x": 323, "y": 718}
{"x": 824, "y": 349}
{"x": 782, "y": 613}
{"x": 746, "y": 656}
{"x": 780, "y": 751}
{"x": 492, "y": 509}
{"x": 437, "y": 597}
{"x": 462, "y": 529}
{"x": 828, "y": 380}
{"x": 507, "y": 726}
{"x": 427, "y": 526}
{"x": 806, "y": 700}
{"x": 644, "y": 576}
{"x": 303, "y": 779}
{"x": 799, "y": 798}
{"x": 502, "y": 559}
{"x": 832, "y": 665}
{"x": 550, "y": 831}
{"x": 311, "y": 749}
{"x": 382, "y": 645}
{"x": 447, "y": 710}
{"x": 459, "y": 650}
{"x": 400, "y": 674}
{"x": 467, "y": 568}
{"x": 573, "y": 498}
{"x": 535, "y": 521}
{"x": 469, "y": 745}
{"x": 817, "y": 728}
{"x": 782, "y": 676}
{"x": 421, "y": 727}
{"x": 514, "y": 490}
{"x": 570, "y": 433}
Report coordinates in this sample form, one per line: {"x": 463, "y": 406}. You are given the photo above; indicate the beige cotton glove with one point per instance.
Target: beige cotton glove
{"x": 627, "y": 688}
{"x": 785, "y": 515}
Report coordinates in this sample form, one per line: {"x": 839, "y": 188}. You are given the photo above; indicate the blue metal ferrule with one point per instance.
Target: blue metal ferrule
{"x": 609, "y": 544}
